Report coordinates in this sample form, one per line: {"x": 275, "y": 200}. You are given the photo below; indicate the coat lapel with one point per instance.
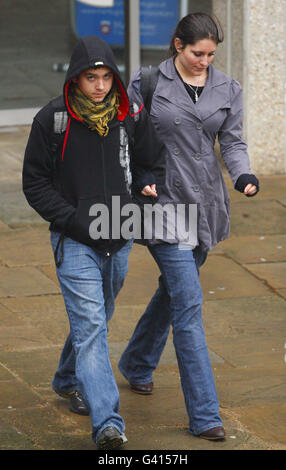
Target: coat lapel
{"x": 174, "y": 91}
{"x": 214, "y": 96}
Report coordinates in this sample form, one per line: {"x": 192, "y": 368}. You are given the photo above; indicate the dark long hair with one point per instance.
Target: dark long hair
{"x": 195, "y": 27}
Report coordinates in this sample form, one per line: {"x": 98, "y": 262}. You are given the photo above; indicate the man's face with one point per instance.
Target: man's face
{"x": 95, "y": 83}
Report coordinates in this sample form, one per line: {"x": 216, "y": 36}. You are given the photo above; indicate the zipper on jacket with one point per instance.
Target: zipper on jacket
{"x": 66, "y": 137}
{"x": 104, "y": 185}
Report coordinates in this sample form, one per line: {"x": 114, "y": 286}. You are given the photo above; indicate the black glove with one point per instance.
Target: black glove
{"x": 142, "y": 178}
{"x": 243, "y": 181}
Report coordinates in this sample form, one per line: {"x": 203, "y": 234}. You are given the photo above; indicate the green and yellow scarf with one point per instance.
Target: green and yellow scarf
{"x": 96, "y": 115}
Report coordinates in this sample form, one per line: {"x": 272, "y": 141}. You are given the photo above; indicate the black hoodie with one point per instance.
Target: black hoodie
{"x": 65, "y": 175}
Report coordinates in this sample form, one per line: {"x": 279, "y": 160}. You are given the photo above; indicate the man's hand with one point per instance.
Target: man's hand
{"x": 150, "y": 190}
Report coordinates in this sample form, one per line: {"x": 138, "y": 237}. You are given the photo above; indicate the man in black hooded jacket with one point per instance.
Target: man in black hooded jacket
{"x": 89, "y": 148}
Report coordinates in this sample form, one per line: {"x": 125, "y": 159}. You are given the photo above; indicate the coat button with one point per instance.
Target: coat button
{"x": 176, "y": 151}
{"x": 199, "y": 126}
{"x": 177, "y": 120}
{"x": 177, "y": 183}
{"x": 196, "y": 188}
{"x": 198, "y": 156}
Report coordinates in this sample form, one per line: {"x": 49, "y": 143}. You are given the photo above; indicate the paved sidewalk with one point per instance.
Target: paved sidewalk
{"x": 244, "y": 284}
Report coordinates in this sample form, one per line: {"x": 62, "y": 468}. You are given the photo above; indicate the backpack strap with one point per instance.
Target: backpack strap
{"x": 58, "y": 128}
{"x": 131, "y": 120}
{"x": 60, "y": 121}
{"x": 149, "y": 79}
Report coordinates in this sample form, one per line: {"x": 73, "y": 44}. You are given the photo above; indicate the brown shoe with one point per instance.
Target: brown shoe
{"x": 142, "y": 389}
{"x": 214, "y": 434}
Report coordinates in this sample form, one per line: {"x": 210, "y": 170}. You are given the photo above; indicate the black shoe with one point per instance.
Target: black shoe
{"x": 77, "y": 403}
{"x": 110, "y": 438}
{"x": 214, "y": 434}
{"x": 142, "y": 389}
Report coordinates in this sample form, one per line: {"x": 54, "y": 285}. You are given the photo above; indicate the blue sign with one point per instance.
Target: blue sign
{"x": 158, "y": 20}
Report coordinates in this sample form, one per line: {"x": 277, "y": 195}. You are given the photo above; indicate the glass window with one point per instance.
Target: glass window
{"x": 37, "y": 38}
{"x": 34, "y": 36}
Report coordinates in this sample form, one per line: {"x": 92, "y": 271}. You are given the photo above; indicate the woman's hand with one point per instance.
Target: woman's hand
{"x": 250, "y": 190}
{"x": 247, "y": 184}
{"x": 150, "y": 190}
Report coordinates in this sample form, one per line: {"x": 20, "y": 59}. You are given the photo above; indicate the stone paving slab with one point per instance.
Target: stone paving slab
{"x": 222, "y": 277}
{"x": 267, "y": 421}
{"x": 9, "y": 319}
{"x": 49, "y": 424}
{"x": 35, "y": 368}
{"x": 178, "y": 437}
{"x": 4, "y": 227}
{"x": 25, "y": 281}
{"x": 124, "y": 320}
{"x": 14, "y": 338}
{"x": 12, "y": 439}
{"x": 273, "y": 273}
{"x": 25, "y": 248}
{"x": 251, "y": 386}
{"x": 50, "y": 273}
{"x": 141, "y": 283}
{"x": 247, "y": 332}
{"x": 260, "y": 217}
{"x": 47, "y": 314}
{"x": 14, "y": 207}
{"x": 256, "y": 249}
{"x": 14, "y": 135}
{"x": 282, "y": 292}
{"x": 162, "y": 419}
{"x": 258, "y": 315}
{"x": 242, "y": 354}
{"x": 10, "y": 159}
{"x": 42, "y": 305}
{"x": 5, "y": 374}
{"x": 48, "y": 429}
{"x": 24, "y": 397}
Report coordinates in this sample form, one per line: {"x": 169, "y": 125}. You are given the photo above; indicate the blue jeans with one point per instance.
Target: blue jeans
{"x": 177, "y": 302}
{"x": 89, "y": 283}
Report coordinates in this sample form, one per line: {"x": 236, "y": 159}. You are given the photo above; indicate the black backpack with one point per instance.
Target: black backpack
{"x": 149, "y": 79}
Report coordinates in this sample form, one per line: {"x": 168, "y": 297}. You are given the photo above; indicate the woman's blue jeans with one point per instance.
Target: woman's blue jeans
{"x": 177, "y": 302}
{"x": 89, "y": 283}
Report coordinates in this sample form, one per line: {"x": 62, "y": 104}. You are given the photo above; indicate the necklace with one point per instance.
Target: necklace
{"x": 195, "y": 91}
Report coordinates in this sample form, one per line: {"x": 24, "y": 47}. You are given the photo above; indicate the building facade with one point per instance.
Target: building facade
{"x": 36, "y": 39}
{"x": 254, "y": 53}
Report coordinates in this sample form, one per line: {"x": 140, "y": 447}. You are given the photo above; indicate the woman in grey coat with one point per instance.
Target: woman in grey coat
{"x": 192, "y": 105}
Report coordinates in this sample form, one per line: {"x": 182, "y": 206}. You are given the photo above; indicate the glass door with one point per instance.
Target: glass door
{"x": 37, "y": 38}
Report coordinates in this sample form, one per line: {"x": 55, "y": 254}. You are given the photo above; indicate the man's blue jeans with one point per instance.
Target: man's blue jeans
{"x": 177, "y": 302}
{"x": 89, "y": 283}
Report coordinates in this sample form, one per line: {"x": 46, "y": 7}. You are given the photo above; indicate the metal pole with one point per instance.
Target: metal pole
{"x": 132, "y": 36}
{"x": 184, "y": 8}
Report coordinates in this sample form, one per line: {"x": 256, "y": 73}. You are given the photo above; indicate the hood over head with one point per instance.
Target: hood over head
{"x": 92, "y": 52}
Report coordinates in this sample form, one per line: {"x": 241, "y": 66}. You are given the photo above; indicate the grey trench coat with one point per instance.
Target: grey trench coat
{"x": 189, "y": 131}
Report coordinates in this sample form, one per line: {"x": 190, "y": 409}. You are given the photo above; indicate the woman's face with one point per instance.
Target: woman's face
{"x": 195, "y": 58}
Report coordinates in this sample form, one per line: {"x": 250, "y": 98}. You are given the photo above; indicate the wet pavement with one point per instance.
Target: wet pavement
{"x": 244, "y": 285}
